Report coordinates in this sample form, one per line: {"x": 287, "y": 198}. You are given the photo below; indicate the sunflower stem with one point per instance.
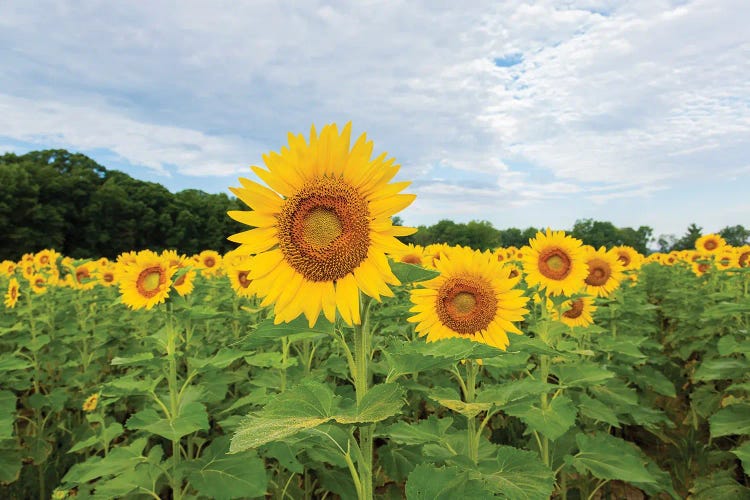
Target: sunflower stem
{"x": 470, "y": 395}
{"x": 362, "y": 355}
{"x": 174, "y": 400}
{"x": 544, "y": 374}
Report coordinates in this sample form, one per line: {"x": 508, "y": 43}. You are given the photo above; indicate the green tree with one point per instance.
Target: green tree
{"x": 735, "y": 235}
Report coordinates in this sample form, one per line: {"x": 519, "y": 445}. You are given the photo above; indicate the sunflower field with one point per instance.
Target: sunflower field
{"x": 325, "y": 359}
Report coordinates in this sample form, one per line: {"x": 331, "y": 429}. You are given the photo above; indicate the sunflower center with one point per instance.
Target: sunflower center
{"x": 209, "y": 262}
{"x": 82, "y": 274}
{"x": 108, "y": 278}
{"x": 599, "y": 272}
{"x": 13, "y": 293}
{"x": 554, "y": 263}
{"x": 324, "y": 229}
{"x": 149, "y": 281}
{"x": 744, "y": 259}
{"x": 576, "y": 309}
{"x": 703, "y": 267}
{"x": 242, "y": 278}
{"x": 44, "y": 260}
{"x": 513, "y": 273}
{"x": 321, "y": 227}
{"x": 624, "y": 258}
{"x": 466, "y": 305}
{"x": 39, "y": 282}
{"x": 411, "y": 259}
{"x": 710, "y": 245}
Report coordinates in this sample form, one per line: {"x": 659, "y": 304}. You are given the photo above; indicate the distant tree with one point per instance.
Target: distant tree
{"x": 666, "y": 242}
{"x": 687, "y": 242}
{"x": 735, "y": 235}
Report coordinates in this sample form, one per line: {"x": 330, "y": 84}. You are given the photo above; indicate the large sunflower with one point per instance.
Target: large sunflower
{"x": 555, "y": 261}
{"x": 146, "y": 281}
{"x": 574, "y": 312}
{"x": 710, "y": 243}
{"x": 323, "y": 226}
{"x": 605, "y": 272}
{"x": 472, "y": 298}
{"x": 11, "y": 296}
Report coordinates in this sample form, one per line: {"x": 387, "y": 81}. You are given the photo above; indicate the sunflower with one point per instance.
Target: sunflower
{"x": 555, "y": 262}
{"x": 701, "y": 265}
{"x": 743, "y": 256}
{"x": 605, "y": 272}
{"x": 84, "y": 275}
{"x": 11, "y": 296}
{"x": 472, "y": 298}
{"x": 107, "y": 275}
{"x": 628, "y": 257}
{"x": 91, "y": 402}
{"x": 412, "y": 254}
{"x": 145, "y": 282}
{"x": 500, "y": 254}
{"x": 514, "y": 270}
{"x": 238, "y": 278}
{"x": 433, "y": 253}
{"x": 323, "y": 229}
{"x": 38, "y": 284}
{"x": 8, "y": 267}
{"x": 726, "y": 259}
{"x": 574, "y": 312}
{"x": 46, "y": 258}
{"x": 710, "y": 243}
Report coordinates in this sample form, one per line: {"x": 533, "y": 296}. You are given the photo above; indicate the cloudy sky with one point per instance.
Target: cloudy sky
{"x": 521, "y": 113}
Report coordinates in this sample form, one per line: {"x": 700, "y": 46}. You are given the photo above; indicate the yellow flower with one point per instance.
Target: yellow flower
{"x": 210, "y": 263}
{"x": 184, "y": 281}
{"x": 237, "y": 274}
{"x": 85, "y": 276}
{"x": 46, "y": 258}
{"x": 412, "y": 254}
{"x": 605, "y": 272}
{"x": 575, "y": 312}
{"x": 727, "y": 258}
{"x": 90, "y": 404}
{"x": 145, "y": 282}
{"x": 710, "y": 243}
{"x": 323, "y": 228}
{"x": 555, "y": 262}
{"x": 38, "y": 284}
{"x": 628, "y": 257}
{"x": 7, "y": 267}
{"x": 472, "y": 298}
{"x": 11, "y": 296}
{"x": 701, "y": 264}
{"x": 743, "y": 256}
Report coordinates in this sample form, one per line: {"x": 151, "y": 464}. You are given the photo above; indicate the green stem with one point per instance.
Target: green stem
{"x": 284, "y": 357}
{"x": 544, "y": 374}
{"x": 470, "y": 395}
{"x": 362, "y": 353}
{"x": 174, "y": 401}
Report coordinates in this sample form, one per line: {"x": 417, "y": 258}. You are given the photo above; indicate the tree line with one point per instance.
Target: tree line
{"x": 67, "y": 201}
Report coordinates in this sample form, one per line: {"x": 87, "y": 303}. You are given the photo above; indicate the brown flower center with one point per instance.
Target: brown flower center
{"x": 576, "y": 309}
{"x": 39, "y": 282}
{"x": 513, "y": 273}
{"x": 108, "y": 277}
{"x": 710, "y": 245}
{"x": 209, "y": 262}
{"x": 44, "y": 260}
{"x": 554, "y": 263}
{"x": 744, "y": 259}
{"x": 599, "y": 272}
{"x": 13, "y": 293}
{"x": 624, "y": 257}
{"x": 412, "y": 259}
{"x": 703, "y": 267}
{"x": 242, "y": 279}
{"x": 82, "y": 274}
{"x": 466, "y": 305}
{"x": 150, "y": 281}
{"x": 324, "y": 229}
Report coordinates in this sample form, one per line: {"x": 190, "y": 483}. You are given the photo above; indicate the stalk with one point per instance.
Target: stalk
{"x": 470, "y": 395}
{"x": 173, "y": 402}
{"x": 544, "y": 368}
{"x": 362, "y": 354}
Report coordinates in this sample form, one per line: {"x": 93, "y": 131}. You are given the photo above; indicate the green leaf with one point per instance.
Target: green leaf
{"x": 410, "y": 357}
{"x": 120, "y": 459}
{"x": 514, "y": 390}
{"x": 608, "y": 457}
{"x": 650, "y": 377}
{"x": 721, "y": 369}
{"x": 581, "y": 374}
{"x": 380, "y": 402}
{"x": 302, "y": 407}
{"x": 731, "y": 420}
{"x": 451, "y": 400}
{"x": 192, "y": 417}
{"x": 431, "y": 430}
{"x": 142, "y": 479}
{"x": 428, "y": 482}
{"x": 221, "y": 476}
{"x": 10, "y": 362}
{"x": 136, "y": 359}
{"x": 597, "y": 410}
{"x": 743, "y": 453}
{"x": 221, "y": 360}
{"x": 399, "y": 461}
{"x": 7, "y": 414}
{"x": 296, "y": 329}
{"x": 517, "y": 474}
{"x": 10, "y": 461}
{"x": 552, "y": 422}
{"x": 720, "y": 484}
{"x": 410, "y": 273}
{"x": 729, "y": 345}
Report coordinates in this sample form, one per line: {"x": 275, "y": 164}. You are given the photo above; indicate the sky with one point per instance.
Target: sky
{"x": 520, "y": 113}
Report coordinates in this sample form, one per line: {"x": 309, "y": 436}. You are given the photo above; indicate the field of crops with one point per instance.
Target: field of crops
{"x": 323, "y": 358}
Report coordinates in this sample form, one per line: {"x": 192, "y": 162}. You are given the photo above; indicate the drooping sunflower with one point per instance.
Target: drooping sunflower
{"x": 555, "y": 263}
{"x": 11, "y": 296}
{"x": 145, "y": 282}
{"x": 474, "y": 298}
{"x": 605, "y": 272}
{"x": 574, "y": 312}
{"x": 628, "y": 257}
{"x": 323, "y": 227}
{"x": 710, "y": 243}
{"x": 433, "y": 253}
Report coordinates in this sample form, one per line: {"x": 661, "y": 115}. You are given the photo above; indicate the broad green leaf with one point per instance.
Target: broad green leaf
{"x": 192, "y": 417}
{"x": 133, "y": 360}
{"x": 615, "y": 394}
{"x": 743, "y": 453}
{"x": 731, "y": 420}
{"x": 513, "y": 390}
{"x": 10, "y": 362}
{"x": 7, "y": 414}
{"x": 398, "y": 461}
{"x": 410, "y": 273}
{"x": 120, "y": 459}
{"x": 552, "y": 422}
{"x": 428, "y": 482}
{"x": 721, "y": 369}
{"x": 718, "y": 485}
{"x": 729, "y": 345}
{"x": 410, "y": 357}
{"x": 142, "y": 479}
{"x": 298, "y": 328}
{"x": 517, "y": 474}
{"x": 221, "y": 476}
{"x": 431, "y": 430}
{"x": 581, "y": 374}
{"x": 10, "y": 461}
{"x": 451, "y": 400}
{"x": 648, "y": 376}
{"x": 380, "y": 402}
{"x": 597, "y": 410}
{"x": 608, "y": 457}
{"x": 221, "y": 360}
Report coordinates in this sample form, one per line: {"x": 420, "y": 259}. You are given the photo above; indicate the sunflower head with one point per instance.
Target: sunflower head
{"x": 628, "y": 257}
{"x": 210, "y": 263}
{"x": 472, "y": 298}
{"x": 46, "y": 258}
{"x": 145, "y": 282}
{"x": 743, "y": 256}
{"x": 555, "y": 263}
{"x": 574, "y": 312}
{"x": 11, "y": 296}
{"x": 411, "y": 254}
{"x": 7, "y": 267}
{"x": 322, "y": 227}
{"x": 38, "y": 283}
{"x": 604, "y": 272}
{"x": 91, "y": 402}
{"x": 726, "y": 259}
{"x": 710, "y": 243}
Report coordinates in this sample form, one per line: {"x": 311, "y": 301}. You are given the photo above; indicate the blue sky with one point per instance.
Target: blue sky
{"x": 520, "y": 113}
